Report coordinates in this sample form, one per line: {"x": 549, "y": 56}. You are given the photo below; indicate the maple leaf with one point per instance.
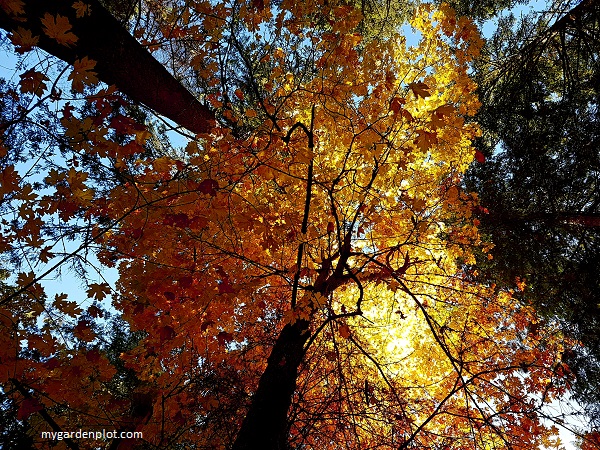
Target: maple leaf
{"x": 396, "y": 104}
{"x": 46, "y": 254}
{"x": 13, "y": 7}
{"x": 345, "y": 331}
{"x": 210, "y": 283}
{"x": 9, "y": 180}
{"x": 28, "y": 407}
{"x": 225, "y": 287}
{"x": 82, "y": 74}
{"x": 83, "y": 331}
{"x": 95, "y": 312}
{"x": 479, "y": 156}
{"x": 166, "y": 333}
{"x": 330, "y": 227}
{"x": 93, "y": 356}
{"x": 58, "y": 28}
{"x": 98, "y": 290}
{"x": 24, "y": 279}
{"x": 425, "y": 140}
{"x": 23, "y": 40}
{"x": 179, "y": 220}
{"x": 125, "y": 125}
{"x": 81, "y": 9}
{"x": 33, "y": 82}
{"x": 209, "y": 187}
{"x": 224, "y": 338}
{"x": 420, "y": 89}
{"x": 440, "y": 115}
{"x": 70, "y": 308}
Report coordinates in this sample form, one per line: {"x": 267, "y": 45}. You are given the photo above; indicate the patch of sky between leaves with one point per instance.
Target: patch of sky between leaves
{"x": 63, "y": 279}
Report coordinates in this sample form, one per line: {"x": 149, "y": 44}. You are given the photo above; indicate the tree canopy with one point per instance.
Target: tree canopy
{"x": 539, "y": 90}
{"x": 298, "y": 272}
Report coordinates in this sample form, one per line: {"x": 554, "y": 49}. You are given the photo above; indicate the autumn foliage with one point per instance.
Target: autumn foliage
{"x": 300, "y": 275}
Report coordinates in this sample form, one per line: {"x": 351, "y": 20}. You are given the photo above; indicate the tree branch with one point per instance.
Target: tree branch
{"x": 120, "y": 59}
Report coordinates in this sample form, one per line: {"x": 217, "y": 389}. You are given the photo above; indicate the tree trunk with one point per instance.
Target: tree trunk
{"x": 265, "y": 425}
{"x": 120, "y": 59}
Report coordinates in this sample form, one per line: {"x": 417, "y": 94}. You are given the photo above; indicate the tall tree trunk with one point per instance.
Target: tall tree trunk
{"x": 120, "y": 59}
{"x": 265, "y": 425}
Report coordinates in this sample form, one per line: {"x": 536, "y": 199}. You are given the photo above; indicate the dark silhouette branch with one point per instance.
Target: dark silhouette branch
{"x": 120, "y": 59}
{"x": 42, "y": 412}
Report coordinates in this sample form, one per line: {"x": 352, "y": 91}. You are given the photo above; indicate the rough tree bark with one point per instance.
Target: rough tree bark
{"x": 120, "y": 59}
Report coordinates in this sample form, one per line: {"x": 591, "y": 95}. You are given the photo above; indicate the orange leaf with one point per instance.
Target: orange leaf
{"x": 425, "y": 140}
{"x": 81, "y": 9}
{"x": 396, "y": 104}
{"x": 82, "y": 73}
{"x": 419, "y": 89}
{"x": 58, "y": 28}
{"x": 34, "y": 82}
{"x": 345, "y": 331}
{"x": 23, "y": 40}
{"x": 438, "y": 118}
{"x": 12, "y": 7}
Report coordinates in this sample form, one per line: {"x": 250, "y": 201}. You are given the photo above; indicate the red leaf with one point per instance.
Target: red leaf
{"x": 180, "y": 220}
{"x": 396, "y": 104}
{"x": 209, "y": 187}
{"x": 125, "y": 125}
{"x": 330, "y": 227}
{"x": 28, "y": 407}
{"x": 480, "y": 157}
{"x": 225, "y": 287}
{"x": 52, "y": 364}
{"x": 166, "y": 333}
{"x": 93, "y": 356}
{"x": 224, "y": 338}
{"x": 185, "y": 282}
{"x": 206, "y": 324}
